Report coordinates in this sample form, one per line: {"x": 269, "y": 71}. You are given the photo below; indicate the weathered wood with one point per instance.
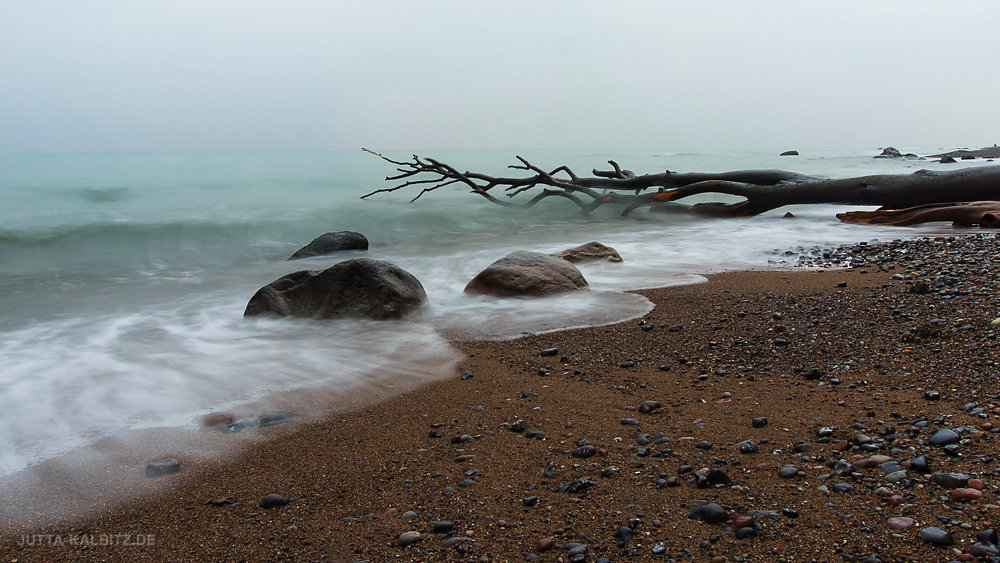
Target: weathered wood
{"x": 978, "y": 213}
{"x": 762, "y": 190}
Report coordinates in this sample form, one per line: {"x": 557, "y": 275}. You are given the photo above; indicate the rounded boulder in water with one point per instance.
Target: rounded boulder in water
{"x": 527, "y": 274}
{"x": 359, "y": 288}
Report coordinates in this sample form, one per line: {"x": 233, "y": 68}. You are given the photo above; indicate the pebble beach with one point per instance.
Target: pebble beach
{"x": 842, "y": 411}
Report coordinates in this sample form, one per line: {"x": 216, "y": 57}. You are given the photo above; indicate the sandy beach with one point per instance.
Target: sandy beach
{"x": 762, "y": 416}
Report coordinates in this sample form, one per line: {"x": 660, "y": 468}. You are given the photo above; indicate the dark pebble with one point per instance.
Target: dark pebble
{"x": 627, "y": 364}
{"x": 270, "y": 419}
{"x": 704, "y": 445}
{"x": 441, "y": 526}
{"x": 273, "y": 501}
{"x": 649, "y": 406}
{"x": 529, "y": 501}
{"x": 936, "y": 536}
{"x": 583, "y": 452}
{"x": 623, "y": 535}
{"x": 788, "y": 471}
{"x": 629, "y": 422}
{"x": 576, "y": 486}
{"x": 465, "y": 483}
{"x": 407, "y": 538}
{"x": 749, "y": 447}
{"x": 842, "y": 487}
{"x": 746, "y": 532}
{"x": 950, "y": 480}
{"x": 549, "y": 352}
{"x": 711, "y": 513}
{"x": 789, "y": 513}
{"x": 932, "y": 395}
{"x": 517, "y": 426}
{"x": 759, "y": 422}
{"x": 164, "y": 467}
{"x": 944, "y": 437}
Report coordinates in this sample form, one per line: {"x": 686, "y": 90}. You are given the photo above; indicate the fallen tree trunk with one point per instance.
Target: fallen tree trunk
{"x": 762, "y": 190}
{"x": 981, "y": 213}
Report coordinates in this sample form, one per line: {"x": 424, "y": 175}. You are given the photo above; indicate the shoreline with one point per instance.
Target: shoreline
{"x": 745, "y": 345}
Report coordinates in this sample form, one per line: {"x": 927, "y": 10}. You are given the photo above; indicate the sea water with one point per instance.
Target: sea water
{"x": 123, "y": 277}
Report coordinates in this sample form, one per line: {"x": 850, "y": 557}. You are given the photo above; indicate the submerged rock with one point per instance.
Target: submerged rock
{"x": 329, "y": 243}
{"x": 524, "y": 273}
{"x": 163, "y": 467}
{"x": 359, "y": 288}
{"x": 590, "y": 252}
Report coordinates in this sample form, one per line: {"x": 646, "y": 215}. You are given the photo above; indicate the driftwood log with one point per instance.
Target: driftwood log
{"x": 935, "y": 195}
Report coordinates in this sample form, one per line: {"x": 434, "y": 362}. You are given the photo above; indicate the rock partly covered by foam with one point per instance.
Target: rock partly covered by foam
{"x": 359, "y": 288}
{"x": 329, "y": 243}
{"x": 524, "y": 273}
{"x": 590, "y": 252}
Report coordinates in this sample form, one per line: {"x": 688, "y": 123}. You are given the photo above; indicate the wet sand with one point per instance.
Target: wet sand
{"x": 853, "y": 371}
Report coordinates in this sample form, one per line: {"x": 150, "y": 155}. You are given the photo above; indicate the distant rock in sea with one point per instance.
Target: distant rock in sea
{"x": 986, "y": 152}
{"x": 789, "y": 153}
{"x": 329, "y": 243}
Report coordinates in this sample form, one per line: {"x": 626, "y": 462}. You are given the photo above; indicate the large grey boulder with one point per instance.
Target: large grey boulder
{"x": 590, "y": 252}
{"x": 329, "y": 243}
{"x": 524, "y": 273}
{"x": 359, "y": 288}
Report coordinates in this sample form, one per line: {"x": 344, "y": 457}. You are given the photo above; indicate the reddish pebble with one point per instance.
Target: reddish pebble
{"x": 545, "y": 544}
{"x": 717, "y": 559}
{"x": 217, "y": 419}
{"x": 742, "y": 521}
{"x": 965, "y": 495}
{"x": 900, "y": 523}
{"x": 841, "y": 445}
{"x": 987, "y": 426}
{"x": 977, "y": 484}
{"x": 390, "y": 512}
{"x": 761, "y": 466}
{"x": 463, "y": 458}
{"x": 964, "y": 557}
{"x": 895, "y": 499}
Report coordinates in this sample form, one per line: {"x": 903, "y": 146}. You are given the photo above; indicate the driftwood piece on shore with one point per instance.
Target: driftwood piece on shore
{"x": 981, "y": 213}
{"x": 762, "y": 190}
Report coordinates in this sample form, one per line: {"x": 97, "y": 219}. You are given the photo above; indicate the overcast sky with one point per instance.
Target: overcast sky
{"x": 179, "y": 75}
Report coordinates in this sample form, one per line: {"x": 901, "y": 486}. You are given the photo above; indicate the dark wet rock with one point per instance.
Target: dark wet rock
{"x": 163, "y": 467}
{"x": 590, "y": 252}
{"x": 745, "y": 532}
{"x": 524, "y": 273}
{"x": 529, "y": 501}
{"x": 842, "y": 487}
{"x": 223, "y": 501}
{"x": 629, "y": 422}
{"x": 518, "y": 426}
{"x": 789, "y": 513}
{"x": 936, "y": 536}
{"x": 464, "y": 483}
{"x": 549, "y": 352}
{"x": 649, "y": 406}
{"x": 932, "y": 395}
{"x": 583, "y": 452}
{"x": 408, "y": 538}
{"x": 273, "y": 418}
{"x": 576, "y": 486}
{"x": 920, "y": 287}
{"x": 947, "y": 160}
{"x": 273, "y": 501}
{"x": 759, "y": 422}
{"x": 890, "y": 152}
{"x": 801, "y": 446}
{"x": 710, "y": 512}
{"x": 988, "y": 536}
{"x": 623, "y": 535}
{"x": 452, "y": 542}
{"x": 749, "y": 447}
{"x": 627, "y": 364}
{"x": 712, "y": 477}
{"x": 789, "y": 153}
{"x": 549, "y": 471}
{"x": 813, "y": 374}
{"x": 441, "y": 526}
{"x": 704, "y": 445}
{"x": 921, "y": 464}
{"x": 243, "y": 423}
{"x": 332, "y": 242}
{"x": 787, "y": 472}
{"x": 944, "y": 437}
{"x": 984, "y": 550}
{"x": 359, "y": 288}
{"x": 950, "y": 480}
{"x": 609, "y": 472}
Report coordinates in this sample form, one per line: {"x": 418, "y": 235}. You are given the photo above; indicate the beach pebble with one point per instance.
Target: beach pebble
{"x": 623, "y": 535}
{"x": 217, "y": 420}
{"x": 936, "y": 536}
{"x": 965, "y": 494}
{"x": 629, "y": 422}
{"x": 788, "y": 471}
{"x": 704, "y": 445}
{"x": 408, "y": 538}
{"x": 545, "y": 544}
{"x": 583, "y": 452}
{"x": 408, "y": 515}
{"x": 273, "y": 501}
{"x": 163, "y": 467}
{"x": 710, "y": 512}
{"x": 944, "y": 437}
{"x": 900, "y": 523}
{"x": 549, "y": 352}
{"x": 950, "y": 480}
{"x": 273, "y": 418}
{"x": 649, "y": 406}
{"x": 759, "y": 422}
{"x": 223, "y": 501}
{"x": 749, "y": 447}
{"x": 441, "y": 526}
